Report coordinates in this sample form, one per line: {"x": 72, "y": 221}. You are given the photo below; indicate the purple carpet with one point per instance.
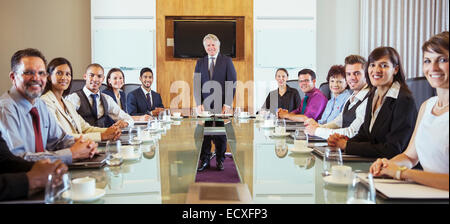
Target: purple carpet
{"x": 211, "y": 174}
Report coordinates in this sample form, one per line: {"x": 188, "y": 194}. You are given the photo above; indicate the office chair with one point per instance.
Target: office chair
{"x": 421, "y": 90}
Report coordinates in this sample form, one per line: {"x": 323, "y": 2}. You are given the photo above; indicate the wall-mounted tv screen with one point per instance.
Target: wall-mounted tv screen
{"x": 189, "y": 34}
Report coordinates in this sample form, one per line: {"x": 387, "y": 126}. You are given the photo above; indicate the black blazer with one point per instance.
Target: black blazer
{"x": 13, "y": 180}
{"x": 289, "y": 101}
{"x": 123, "y": 100}
{"x": 223, "y": 71}
{"x": 137, "y": 102}
{"x": 391, "y": 131}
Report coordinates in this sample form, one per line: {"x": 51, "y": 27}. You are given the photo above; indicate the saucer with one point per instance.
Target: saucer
{"x": 205, "y": 116}
{"x": 280, "y": 135}
{"x": 223, "y": 115}
{"x": 244, "y": 117}
{"x": 295, "y": 150}
{"x": 332, "y": 181}
{"x": 146, "y": 140}
{"x": 177, "y": 118}
{"x": 135, "y": 156}
{"x": 98, "y": 194}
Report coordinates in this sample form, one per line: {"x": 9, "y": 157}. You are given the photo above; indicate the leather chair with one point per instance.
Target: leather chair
{"x": 77, "y": 84}
{"x": 127, "y": 88}
{"x": 325, "y": 89}
{"x": 294, "y": 84}
{"x": 421, "y": 90}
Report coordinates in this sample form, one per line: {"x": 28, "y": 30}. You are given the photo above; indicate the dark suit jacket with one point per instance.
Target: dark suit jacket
{"x": 137, "y": 102}
{"x": 13, "y": 180}
{"x": 123, "y": 100}
{"x": 223, "y": 71}
{"x": 391, "y": 131}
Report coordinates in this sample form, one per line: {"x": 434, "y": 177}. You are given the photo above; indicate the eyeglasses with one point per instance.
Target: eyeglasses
{"x": 304, "y": 81}
{"x": 29, "y": 73}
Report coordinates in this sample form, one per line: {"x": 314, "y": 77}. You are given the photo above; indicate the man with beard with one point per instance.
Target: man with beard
{"x": 95, "y": 106}
{"x": 144, "y": 100}
{"x": 33, "y": 132}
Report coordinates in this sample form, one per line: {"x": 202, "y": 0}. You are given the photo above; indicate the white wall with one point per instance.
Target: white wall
{"x": 338, "y": 29}
{"x": 125, "y": 15}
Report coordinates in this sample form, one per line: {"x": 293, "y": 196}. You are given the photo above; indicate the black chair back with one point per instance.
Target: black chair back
{"x": 325, "y": 89}
{"x": 127, "y": 88}
{"x": 294, "y": 84}
{"x": 421, "y": 90}
{"x": 77, "y": 84}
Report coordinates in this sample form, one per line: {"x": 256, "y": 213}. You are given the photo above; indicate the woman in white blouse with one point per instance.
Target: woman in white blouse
{"x": 58, "y": 86}
{"x": 429, "y": 143}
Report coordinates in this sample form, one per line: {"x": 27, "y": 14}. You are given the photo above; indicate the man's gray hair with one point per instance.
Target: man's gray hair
{"x": 211, "y": 37}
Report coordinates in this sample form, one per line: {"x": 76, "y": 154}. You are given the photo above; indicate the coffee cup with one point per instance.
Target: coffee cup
{"x": 300, "y": 144}
{"x": 268, "y": 123}
{"x": 205, "y": 113}
{"x": 341, "y": 173}
{"x": 280, "y": 130}
{"x": 176, "y": 114}
{"x": 83, "y": 187}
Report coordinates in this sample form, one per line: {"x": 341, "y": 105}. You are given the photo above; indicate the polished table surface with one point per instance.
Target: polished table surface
{"x": 272, "y": 176}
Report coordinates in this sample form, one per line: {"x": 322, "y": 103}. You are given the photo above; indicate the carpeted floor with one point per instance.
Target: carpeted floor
{"x": 229, "y": 175}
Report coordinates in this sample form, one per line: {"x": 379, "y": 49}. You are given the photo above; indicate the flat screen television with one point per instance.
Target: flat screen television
{"x": 188, "y": 37}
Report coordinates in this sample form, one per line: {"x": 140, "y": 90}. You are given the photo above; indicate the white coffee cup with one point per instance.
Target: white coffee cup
{"x": 243, "y": 114}
{"x": 205, "y": 113}
{"x": 300, "y": 144}
{"x": 176, "y": 114}
{"x": 341, "y": 173}
{"x": 280, "y": 130}
{"x": 268, "y": 123}
{"x": 83, "y": 187}
{"x": 127, "y": 151}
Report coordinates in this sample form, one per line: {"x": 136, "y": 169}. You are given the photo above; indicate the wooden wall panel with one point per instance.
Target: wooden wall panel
{"x": 169, "y": 70}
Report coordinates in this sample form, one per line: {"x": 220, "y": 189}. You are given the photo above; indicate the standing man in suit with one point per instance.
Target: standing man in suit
{"x": 144, "y": 100}
{"x": 212, "y": 74}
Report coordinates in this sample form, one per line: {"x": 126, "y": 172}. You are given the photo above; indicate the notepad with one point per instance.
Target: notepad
{"x": 398, "y": 189}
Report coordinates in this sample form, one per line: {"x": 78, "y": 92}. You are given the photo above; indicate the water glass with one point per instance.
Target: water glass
{"x": 113, "y": 157}
{"x": 194, "y": 112}
{"x": 360, "y": 193}
{"x": 237, "y": 112}
{"x": 331, "y": 158}
{"x": 58, "y": 189}
{"x": 134, "y": 135}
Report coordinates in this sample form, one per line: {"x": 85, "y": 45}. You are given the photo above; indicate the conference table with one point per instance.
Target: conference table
{"x": 163, "y": 175}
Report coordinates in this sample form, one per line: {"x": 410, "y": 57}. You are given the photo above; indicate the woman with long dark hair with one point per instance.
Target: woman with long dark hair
{"x": 390, "y": 112}
{"x": 59, "y": 81}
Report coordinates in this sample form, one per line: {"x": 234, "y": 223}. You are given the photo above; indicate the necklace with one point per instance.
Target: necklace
{"x": 440, "y": 107}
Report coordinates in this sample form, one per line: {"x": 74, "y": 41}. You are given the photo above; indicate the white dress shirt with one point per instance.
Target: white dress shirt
{"x": 114, "y": 110}
{"x": 335, "y": 126}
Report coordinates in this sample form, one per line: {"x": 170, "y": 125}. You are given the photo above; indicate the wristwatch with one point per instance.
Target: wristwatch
{"x": 399, "y": 172}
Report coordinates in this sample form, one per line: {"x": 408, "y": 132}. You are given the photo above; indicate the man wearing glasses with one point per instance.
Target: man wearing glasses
{"x": 314, "y": 102}
{"x": 34, "y": 133}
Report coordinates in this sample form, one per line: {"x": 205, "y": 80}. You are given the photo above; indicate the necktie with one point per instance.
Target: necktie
{"x": 305, "y": 100}
{"x": 94, "y": 105}
{"x": 211, "y": 67}
{"x": 149, "y": 100}
{"x": 37, "y": 130}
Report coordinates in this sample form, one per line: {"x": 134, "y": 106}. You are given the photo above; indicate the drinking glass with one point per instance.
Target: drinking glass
{"x": 360, "y": 193}
{"x": 194, "y": 112}
{"x": 134, "y": 135}
{"x": 112, "y": 151}
{"x": 58, "y": 189}
{"x": 237, "y": 112}
{"x": 331, "y": 158}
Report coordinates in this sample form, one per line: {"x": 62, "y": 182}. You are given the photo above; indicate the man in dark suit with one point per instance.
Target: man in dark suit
{"x": 20, "y": 178}
{"x": 214, "y": 80}
{"x": 143, "y": 100}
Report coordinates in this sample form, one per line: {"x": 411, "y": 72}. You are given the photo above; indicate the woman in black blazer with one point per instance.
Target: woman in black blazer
{"x": 390, "y": 113}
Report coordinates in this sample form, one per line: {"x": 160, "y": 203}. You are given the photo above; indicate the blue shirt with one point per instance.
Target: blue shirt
{"x": 334, "y": 107}
{"x": 16, "y": 119}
